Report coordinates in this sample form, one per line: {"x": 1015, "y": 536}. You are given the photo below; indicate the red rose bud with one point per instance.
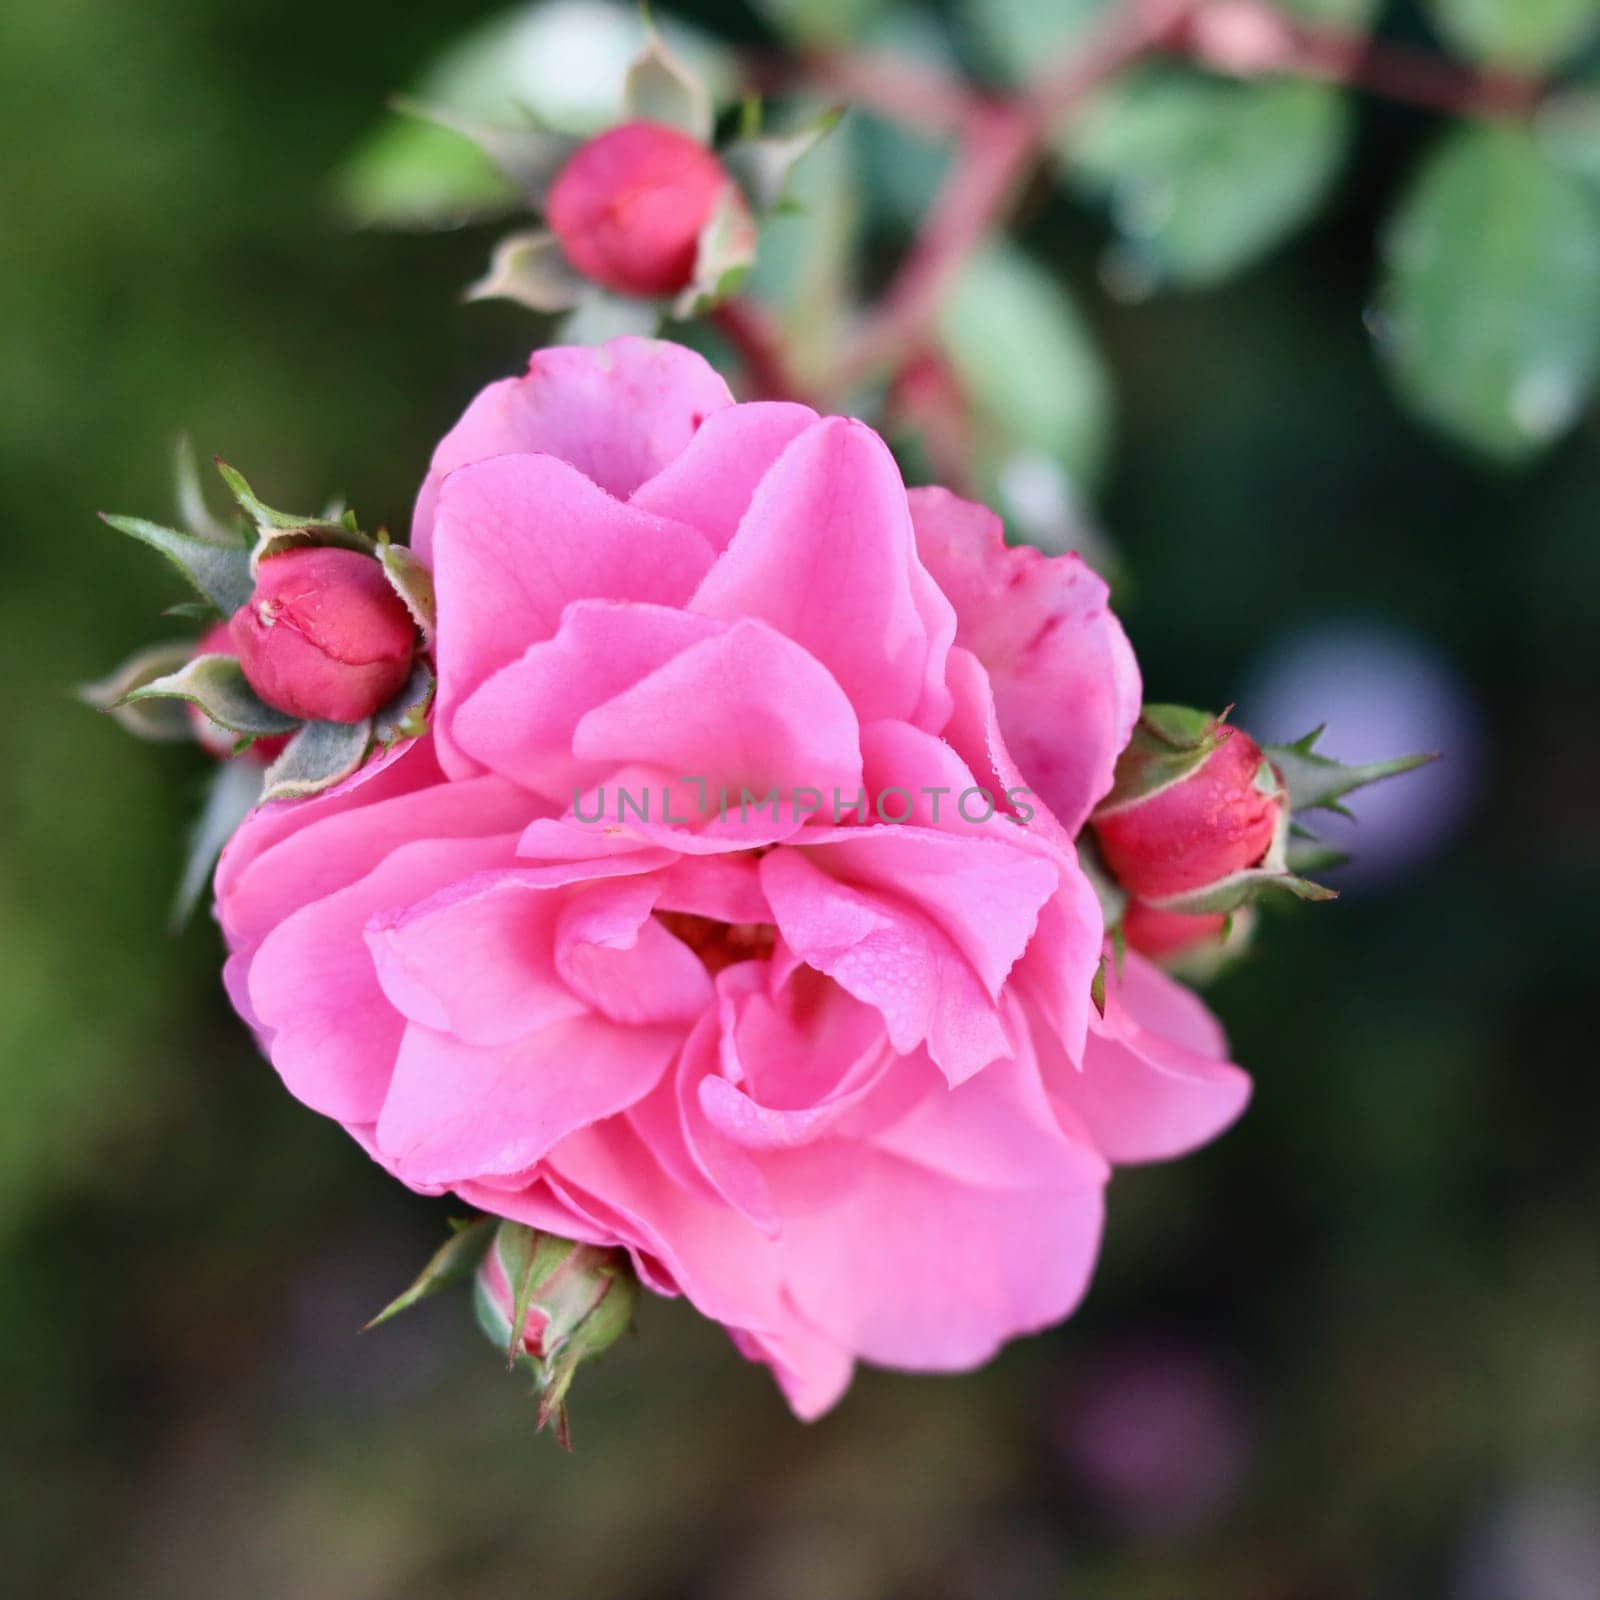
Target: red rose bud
{"x": 1160, "y": 934}
{"x": 630, "y": 205}
{"x": 324, "y": 636}
{"x": 1195, "y": 802}
{"x": 212, "y": 737}
{"x": 566, "y": 1301}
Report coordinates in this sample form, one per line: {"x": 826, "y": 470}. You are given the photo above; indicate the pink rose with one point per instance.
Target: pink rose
{"x": 840, "y": 1083}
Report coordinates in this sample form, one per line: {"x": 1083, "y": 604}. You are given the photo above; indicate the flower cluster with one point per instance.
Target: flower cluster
{"x": 846, "y": 1085}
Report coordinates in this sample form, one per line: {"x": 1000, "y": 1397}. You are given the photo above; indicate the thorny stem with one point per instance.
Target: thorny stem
{"x": 999, "y": 141}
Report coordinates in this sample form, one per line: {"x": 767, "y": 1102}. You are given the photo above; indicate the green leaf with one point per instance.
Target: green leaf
{"x": 411, "y": 174}
{"x": 216, "y": 683}
{"x": 815, "y": 23}
{"x": 319, "y": 756}
{"x": 1025, "y": 359}
{"x": 456, "y": 1259}
{"x": 1490, "y": 303}
{"x": 1017, "y": 36}
{"x": 528, "y": 157}
{"x": 159, "y": 719}
{"x": 221, "y": 572}
{"x": 1204, "y": 175}
{"x": 1524, "y": 34}
{"x": 234, "y": 789}
{"x": 1318, "y": 782}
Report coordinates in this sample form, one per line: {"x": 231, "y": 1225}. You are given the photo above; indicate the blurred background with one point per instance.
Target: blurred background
{"x": 1351, "y": 1350}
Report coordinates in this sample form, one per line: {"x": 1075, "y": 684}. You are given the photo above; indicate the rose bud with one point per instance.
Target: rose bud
{"x": 214, "y": 739}
{"x": 579, "y": 1301}
{"x": 629, "y": 207}
{"x": 1160, "y": 934}
{"x": 324, "y": 636}
{"x": 1195, "y": 802}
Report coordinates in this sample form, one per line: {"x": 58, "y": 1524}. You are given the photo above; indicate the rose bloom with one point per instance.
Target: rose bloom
{"x": 841, "y": 1084}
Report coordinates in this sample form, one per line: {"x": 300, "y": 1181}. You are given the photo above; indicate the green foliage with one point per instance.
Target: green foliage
{"x": 821, "y": 22}
{"x": 1528, "y": 34}
{"x": 1205, "y": 175}
{"x": 1025, "y": 359}
{"x": 1491, "y": 292}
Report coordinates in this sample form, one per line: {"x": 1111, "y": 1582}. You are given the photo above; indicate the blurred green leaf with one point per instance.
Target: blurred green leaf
{"x": 1205, "y": 175}
{"x": 1025, "y": 359}
{"x": 1019, "y": 37}
{"x": 1528, "y": 34}
{"x": 820, "y": 22}
{"x": 566, "y": 61}
{"x": 1491, "y": 295}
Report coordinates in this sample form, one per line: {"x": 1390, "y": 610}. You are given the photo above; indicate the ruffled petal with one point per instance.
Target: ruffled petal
{"x": 710, "y": 484}
{"x": 619, "y": 414}
{"x": 1066, "y": 685}
{"x": 517, "y": 539}
{"x": 825, "y": 554}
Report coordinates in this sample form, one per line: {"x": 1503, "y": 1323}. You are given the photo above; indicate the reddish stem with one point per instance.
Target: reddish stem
{"x": 999, "y": 144}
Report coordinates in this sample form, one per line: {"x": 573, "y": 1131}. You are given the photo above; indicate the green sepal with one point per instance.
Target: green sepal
{"x": 530, "y": 157}
{"x": 220, "y": 572}
{"x": 761, "y": 165}
{"x": 1169, "y": 744}
{"x": 529, "y": 1257}
{"x": 158, "y": 718}
{"x": 216, "y": 684}
{"x": 601, "y": 1329}
{"x": 406, "y": 716}
{"x": 233, "y": 792}
{"x": 197, "y": 515}
{"x": 1243, "y": 888}
{"x": 456, "y": 1259}
{"x": 723, "y": 258}
{"x": 411, "y": 580}
{"x": 320, "y": 755}
{"x": 279, "y": 531}
{"x": 1097, "y": 988}
{"x": 532, "y": 270}
{"x": 1317, "y": 782}
{"x": 660, "y": 88}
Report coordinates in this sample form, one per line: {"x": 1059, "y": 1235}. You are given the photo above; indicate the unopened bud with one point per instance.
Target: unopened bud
{"x": 1195, "y": 802}
{"x": 630, "y": 205}
{"x": 324, "y": 636}
{"x": 551, "y": 1304}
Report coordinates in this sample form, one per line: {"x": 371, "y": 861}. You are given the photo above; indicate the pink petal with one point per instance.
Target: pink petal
{"x": 909, "y": 1270}
{"x": 746, "y": 707}
{"x": 312, "y": 981}
{"x": 520, "y": 721}
{"x": 982, "y": 891}
{"x": 619, "y": 959}
{"x": 476, "y": 960}
{"x": 710, "y": 484}
{"x": 456, "y": 1111}
{"x": 889, "y": 957}
{"x": 1066, "y": 685}
{"x": 619, "y": 414}
{"x": 1142, "y": 1095}
{"x": 517, "y": 539}
{"x": 333, "y": 847}
{"x": 826, "y": 555}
